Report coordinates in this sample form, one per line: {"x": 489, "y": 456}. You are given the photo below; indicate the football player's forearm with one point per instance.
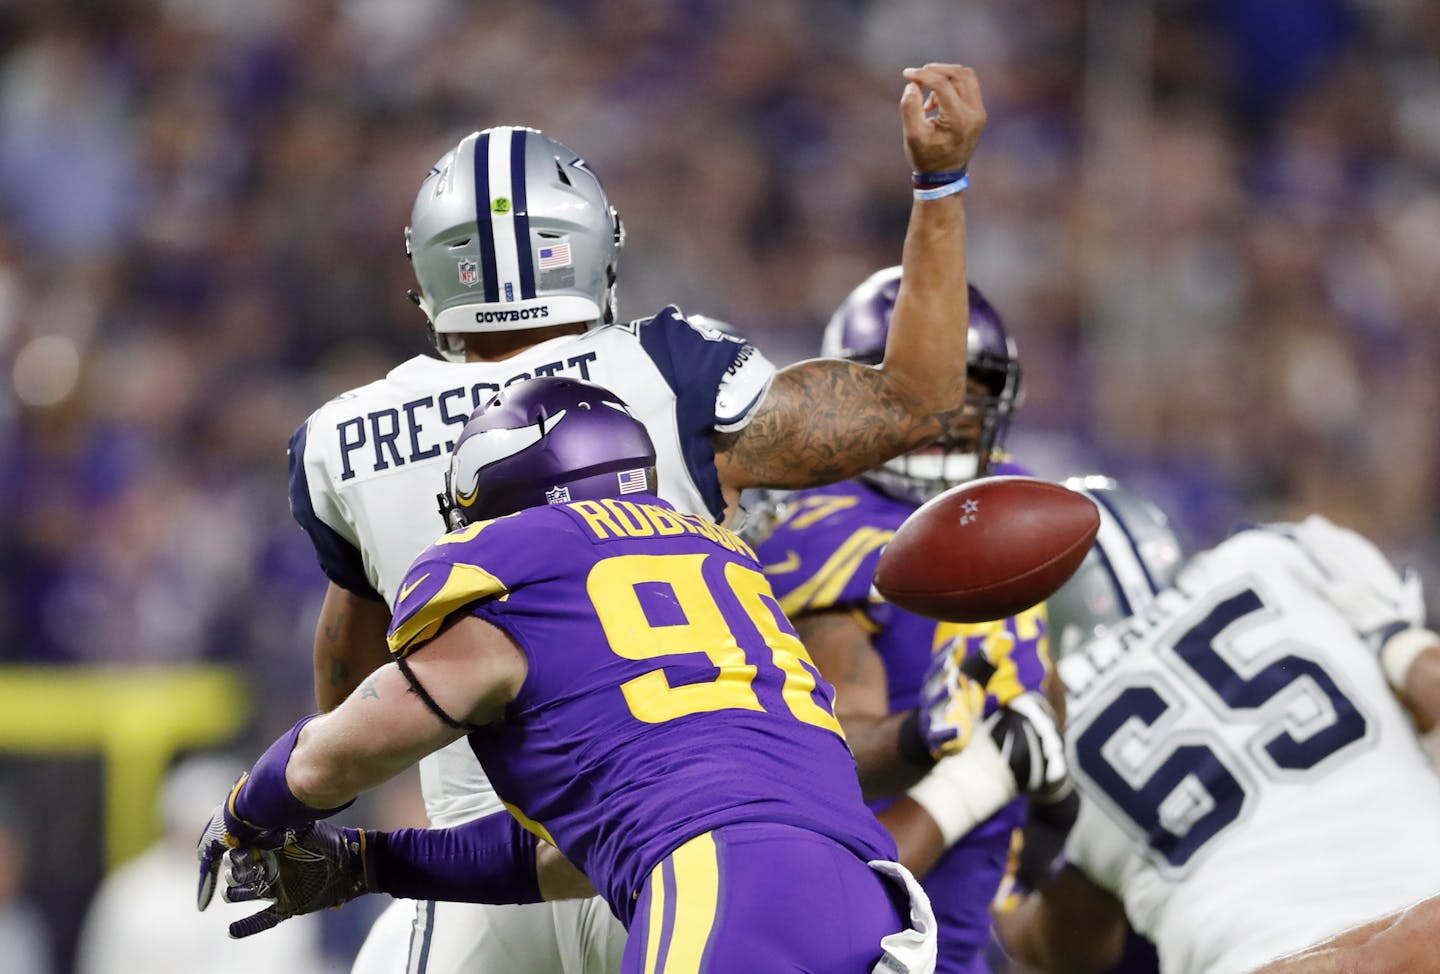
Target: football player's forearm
{"x": 824, "y": 420}
{"x": 487, "y": 860}
{"x": 349, "y": 644}
{"x": 380, "y": 730}
{"x": 926, "y": 346}
{"x": 1421, "y": 689}
{"x": 925, "y": 350}
{"x": 918, "y": 839}
{"x": 1407, "y": 942}
{"x": 1071, "y": 927}
{"x": 884, "y": 771}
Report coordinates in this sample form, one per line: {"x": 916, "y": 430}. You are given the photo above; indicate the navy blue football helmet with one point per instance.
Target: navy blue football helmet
{"x": 547, "y": 440}
{"x": 857, "y": 331}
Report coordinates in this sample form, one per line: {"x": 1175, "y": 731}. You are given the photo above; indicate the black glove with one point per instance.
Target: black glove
{"x": 318, "y": 867}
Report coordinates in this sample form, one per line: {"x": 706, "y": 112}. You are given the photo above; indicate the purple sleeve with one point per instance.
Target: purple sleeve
{"x": 488, "y": 860}
{"x": 262, "y": 799}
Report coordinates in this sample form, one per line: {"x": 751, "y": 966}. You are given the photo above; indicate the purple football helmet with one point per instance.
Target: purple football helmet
{"x": 547, "y": 440}
{"x": 857, "y": 331}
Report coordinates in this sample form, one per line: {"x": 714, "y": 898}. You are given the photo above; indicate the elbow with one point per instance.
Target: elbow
{"x": 314, "y": 779}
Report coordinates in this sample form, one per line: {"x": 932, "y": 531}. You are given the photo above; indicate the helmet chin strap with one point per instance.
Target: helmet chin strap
{"x": 450, "y": 346}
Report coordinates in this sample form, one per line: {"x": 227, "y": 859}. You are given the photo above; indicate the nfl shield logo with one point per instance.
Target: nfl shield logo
{"x": 557, "y": 495}
{"x": 469, "y": 272}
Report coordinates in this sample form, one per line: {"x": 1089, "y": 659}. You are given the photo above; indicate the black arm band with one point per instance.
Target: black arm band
{"x": 428, "y": 700}
{"x": 911, "y": 743}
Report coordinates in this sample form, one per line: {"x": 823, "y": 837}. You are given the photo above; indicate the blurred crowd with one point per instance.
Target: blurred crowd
{"x": 1212, "y": 225}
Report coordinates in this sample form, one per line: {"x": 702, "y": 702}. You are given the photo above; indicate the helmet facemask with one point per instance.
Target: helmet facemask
{"x": 858, "y": 331}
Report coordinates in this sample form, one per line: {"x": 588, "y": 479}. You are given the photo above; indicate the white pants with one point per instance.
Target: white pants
{"x": 428, "y": 937}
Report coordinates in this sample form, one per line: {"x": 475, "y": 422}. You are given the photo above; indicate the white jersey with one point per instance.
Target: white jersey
{"x": 366, "y": 467}
{"x": 1250, "y": 784}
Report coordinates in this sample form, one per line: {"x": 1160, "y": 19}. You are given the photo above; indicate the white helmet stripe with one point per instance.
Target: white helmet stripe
{"x": 501, "y": 203}
{"x": 1117, "y": 552}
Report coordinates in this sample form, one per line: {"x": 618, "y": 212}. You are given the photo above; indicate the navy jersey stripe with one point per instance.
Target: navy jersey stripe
{"x": 522, "y": 216}
{"x": 693, "y": 367}
{"x": 484, "y": 226}
{"x": 423, "y": 961}
{"x": 338, "y": 558}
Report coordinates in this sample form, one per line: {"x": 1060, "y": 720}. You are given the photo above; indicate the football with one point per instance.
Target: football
{"x": 987, "y": 549}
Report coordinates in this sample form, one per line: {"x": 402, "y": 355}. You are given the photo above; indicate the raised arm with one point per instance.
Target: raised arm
{"x": 824, "y": 420}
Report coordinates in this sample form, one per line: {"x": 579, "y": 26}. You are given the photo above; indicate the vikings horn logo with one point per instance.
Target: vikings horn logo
{"x": 479, "y": 451}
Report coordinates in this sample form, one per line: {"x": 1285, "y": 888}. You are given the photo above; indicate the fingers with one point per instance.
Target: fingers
{"x": 912, "y": 108}
{"x": 248, "y": 875}
{"x": 259, "y": 923}
{"x": 942, "y": 127}
{"x": 956, "y": 87}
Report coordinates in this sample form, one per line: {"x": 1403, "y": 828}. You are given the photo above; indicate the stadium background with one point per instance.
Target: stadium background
{"x": 1212, "y": 225}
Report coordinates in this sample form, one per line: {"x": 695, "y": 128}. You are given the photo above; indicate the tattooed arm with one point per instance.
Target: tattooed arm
{"x": 825, "y": 420}
{"x": 349, "y": 644}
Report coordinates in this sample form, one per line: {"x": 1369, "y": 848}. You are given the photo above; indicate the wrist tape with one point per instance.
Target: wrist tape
{"x": 1398, "y": 653}
{"x": 965, "y": 789}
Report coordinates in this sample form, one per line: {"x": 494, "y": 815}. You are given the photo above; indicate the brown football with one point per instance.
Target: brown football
{"x": 987, "y": 549}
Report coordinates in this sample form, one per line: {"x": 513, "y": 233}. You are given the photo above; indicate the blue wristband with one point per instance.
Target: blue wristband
{"x": 929, "y": 180}
{"x": 942, "y": 191}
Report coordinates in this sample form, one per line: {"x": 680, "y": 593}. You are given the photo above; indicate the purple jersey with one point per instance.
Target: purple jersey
{"x": 821, "y": 556}
{"x": 667, "y": 695}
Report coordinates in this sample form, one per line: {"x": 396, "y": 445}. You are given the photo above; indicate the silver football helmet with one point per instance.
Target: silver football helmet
{"x": 511, "y": 230}
{"x": 1136, "y": 556}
